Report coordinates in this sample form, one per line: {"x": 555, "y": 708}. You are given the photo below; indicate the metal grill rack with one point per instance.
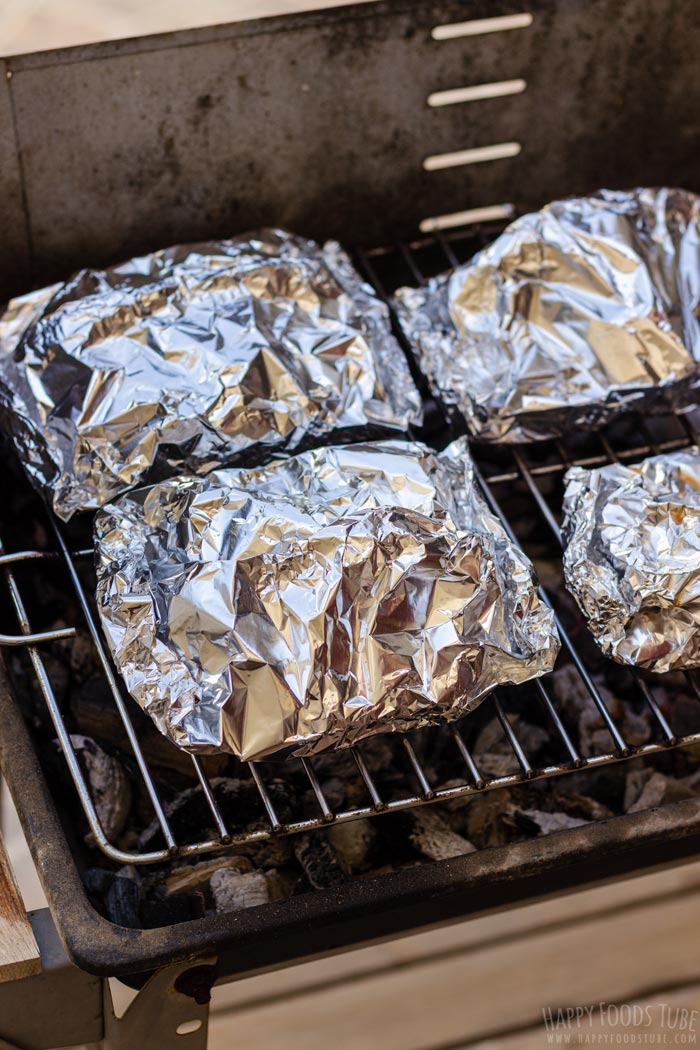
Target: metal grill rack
{"x": 533, "y": 471}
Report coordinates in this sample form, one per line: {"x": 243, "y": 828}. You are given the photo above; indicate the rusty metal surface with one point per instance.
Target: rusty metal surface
{"x": 170, "y": 1012}
{"x": 320, "y": 122}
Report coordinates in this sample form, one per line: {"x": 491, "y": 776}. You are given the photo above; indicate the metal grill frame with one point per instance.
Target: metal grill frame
{"x": 473, "y": 781}
{"x": 363, "y": 912}
{"x": 51, "y": 229}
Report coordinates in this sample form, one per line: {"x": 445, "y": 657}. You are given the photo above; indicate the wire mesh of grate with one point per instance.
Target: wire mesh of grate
{"x": 532, "y": 477}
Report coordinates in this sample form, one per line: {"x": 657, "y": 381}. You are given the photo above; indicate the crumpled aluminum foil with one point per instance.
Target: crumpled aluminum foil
{"x": 574, "y": 312}
{"x": 319, "y": 600}
{"x": 632, "y": 559}
{"x": 191, "y": 356}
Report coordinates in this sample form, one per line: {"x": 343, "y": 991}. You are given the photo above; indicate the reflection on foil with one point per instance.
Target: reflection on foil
{"x": 191, "y": 356}
{"x": 316, "y": 601}
{"x": 632, "y": 559}
{"x": 574, "y": 312}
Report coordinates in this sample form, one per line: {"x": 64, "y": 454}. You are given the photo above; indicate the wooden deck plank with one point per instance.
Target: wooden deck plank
{"x": 19, "y": 954}
{"x": 474, "y": 935}
{"x": 652, "y": 1027}
{"x": 466, "y": 996}
{"x": 18, "y": 851}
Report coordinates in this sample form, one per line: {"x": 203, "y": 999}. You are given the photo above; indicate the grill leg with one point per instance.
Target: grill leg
{"x": 171, "y": 1012}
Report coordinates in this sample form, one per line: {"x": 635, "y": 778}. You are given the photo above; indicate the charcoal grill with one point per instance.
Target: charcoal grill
{"x": 411, "y": 131}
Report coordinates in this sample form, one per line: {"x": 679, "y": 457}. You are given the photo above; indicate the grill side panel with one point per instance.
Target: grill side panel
{"x": 321, "y": 122}
{"x": 14, "y": 245}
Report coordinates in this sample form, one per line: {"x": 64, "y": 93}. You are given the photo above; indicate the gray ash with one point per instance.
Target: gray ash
{"x": 283, "y": 866}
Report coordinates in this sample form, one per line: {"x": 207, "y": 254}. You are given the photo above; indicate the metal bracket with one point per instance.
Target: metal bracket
{"x": 171, "y": 1012}
{"x": 63, "y": 1005}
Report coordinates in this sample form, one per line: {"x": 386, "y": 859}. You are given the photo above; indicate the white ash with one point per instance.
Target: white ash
{"x": 353, "y": 843}
{"x": 579, "y": 707}
{"x": 234, "y": 890}
{"x": 191, "y": 877}
{"x": 110, "y": 787}
{"x": 434, "y": 838}
{"x": 493, "y": 752}
{"x": 334, "y": 790}
{"x": 646, "y": 788}
{"x": 545, "y": 823}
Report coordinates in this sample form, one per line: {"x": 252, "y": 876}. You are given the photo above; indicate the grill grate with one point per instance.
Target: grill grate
{"x": 533, "y": 475}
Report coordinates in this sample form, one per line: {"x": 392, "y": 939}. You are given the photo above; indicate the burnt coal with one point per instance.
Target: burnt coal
{"x": 318, "y": 860}
{"x": 158, "y": 910}
{"x": 190, "y": 816}
{"x": 116, "y": 895}
{"x": 278, "y": 866}
{"x": 282, "y": 865}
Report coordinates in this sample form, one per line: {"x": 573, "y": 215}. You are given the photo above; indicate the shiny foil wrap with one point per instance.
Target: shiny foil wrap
{"x": 632, "y": 559}
{"x": 189, "y": 358}
{"x": 574, "y": 312}
{"x": 317, "y": 601}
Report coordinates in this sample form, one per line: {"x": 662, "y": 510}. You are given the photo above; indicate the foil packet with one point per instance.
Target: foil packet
{"x": 575, "y": 312}
{"x": 316, "y": 601}
{"x": 193, "y": 357}
{"x": 632, "y": 558}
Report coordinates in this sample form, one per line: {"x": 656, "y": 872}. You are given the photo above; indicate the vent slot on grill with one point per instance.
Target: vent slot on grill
{"x": 478, "y": 155}
{"x": 481, "y": 26}
{"x": 470, "y": 217}
{"x": 476, "y": 93}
